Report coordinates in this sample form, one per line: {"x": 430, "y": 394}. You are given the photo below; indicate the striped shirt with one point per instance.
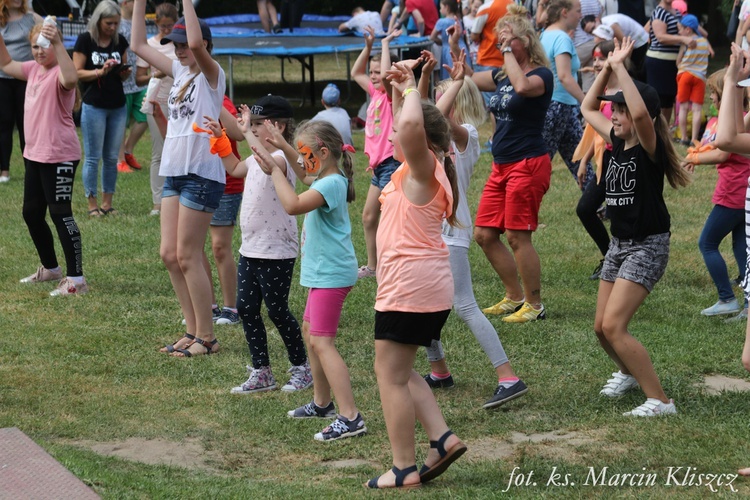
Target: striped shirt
{"x": 663, "y": 15}
{"x": 695, "y": 61}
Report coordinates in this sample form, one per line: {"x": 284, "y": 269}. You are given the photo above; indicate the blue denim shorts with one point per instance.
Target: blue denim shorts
{"x": 195, "y": 192}
{"x": 382, "y": 173}
{"x": 229, "y": 206}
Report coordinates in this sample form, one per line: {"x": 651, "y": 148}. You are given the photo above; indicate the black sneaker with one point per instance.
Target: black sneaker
{"x": 216, "y": 313}
{"x": 311, "y": 410}
{"x": 443, "y": 383}
{"x": 597, "y": 271}
{"x": 504, "y": 394}
{"x": 342, "y": 428}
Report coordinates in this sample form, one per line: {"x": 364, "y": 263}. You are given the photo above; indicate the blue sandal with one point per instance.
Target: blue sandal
{"x": 400, "y": 476}
{"x": 447, "y": 457}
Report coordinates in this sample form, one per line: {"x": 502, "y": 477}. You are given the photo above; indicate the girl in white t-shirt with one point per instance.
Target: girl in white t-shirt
{"x": 194, "y": 177}
{"x": 461, "y": 103}
{"x": 269, "y": 244}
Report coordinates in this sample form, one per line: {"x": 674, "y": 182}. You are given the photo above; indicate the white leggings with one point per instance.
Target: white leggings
{"x": 467, "y": 309}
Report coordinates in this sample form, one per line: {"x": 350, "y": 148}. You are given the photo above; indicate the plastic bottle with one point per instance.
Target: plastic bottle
{"x": 42, "y": 41}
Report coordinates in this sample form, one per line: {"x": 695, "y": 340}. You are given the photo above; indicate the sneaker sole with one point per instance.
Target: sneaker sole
{"x": 226, "y": 322}
{"x": 723, "y": 313}
{"x": 495, "y": 404}
{"x": 489, "y": 310}
{"x": 618, "y": 395}
{"x": 327, "y": 415}
{"x": 262, "y": 389}
{"x": 359, "y": 432}
{"x": 541, "y": 317}
{"x": 290, "y": 388}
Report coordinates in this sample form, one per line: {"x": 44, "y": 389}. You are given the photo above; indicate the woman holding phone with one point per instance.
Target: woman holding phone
{"x": 100, "y": 59}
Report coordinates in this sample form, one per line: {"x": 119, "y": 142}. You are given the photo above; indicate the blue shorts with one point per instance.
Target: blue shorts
{"x": 195, "y": 192}
{"x": 229, "y": 206}
{"x": 382, "y": 173}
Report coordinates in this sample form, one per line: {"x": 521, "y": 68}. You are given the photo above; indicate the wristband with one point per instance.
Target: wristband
{"x": 507, "y": 50}
{"x": 409, "y": 91}
{"x": 221, "y": 145}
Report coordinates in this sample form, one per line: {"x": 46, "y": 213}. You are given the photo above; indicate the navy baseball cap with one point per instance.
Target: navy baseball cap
{"x": 648, "y": 94}
{"x": 179, "y": 33}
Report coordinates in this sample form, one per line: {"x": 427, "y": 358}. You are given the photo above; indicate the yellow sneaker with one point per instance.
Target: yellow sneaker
{"x": 505, "y": 306}
{"x": 526, "y": 313}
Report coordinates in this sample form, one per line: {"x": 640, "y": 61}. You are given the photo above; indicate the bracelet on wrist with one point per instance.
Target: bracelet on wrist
{"x": 507, "y": 50}
{"x": 409, "y": 91}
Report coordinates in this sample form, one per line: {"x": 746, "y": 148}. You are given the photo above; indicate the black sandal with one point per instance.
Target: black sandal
{"x": 171, "y": 348}
{"x": 207, "y": 345}
{"x": 400, "y": 476}
{"x": 447, "y": 457}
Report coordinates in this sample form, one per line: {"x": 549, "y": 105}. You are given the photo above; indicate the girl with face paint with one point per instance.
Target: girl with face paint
{"x": 269, "y": 243}
{"x": 329, "y": 266}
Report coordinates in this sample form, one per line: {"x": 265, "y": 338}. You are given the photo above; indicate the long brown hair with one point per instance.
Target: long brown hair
{"x": 438, "y": 135}
{"x": 5, "y": 11}
{"x": 318, "y": 134}
{"x": 676, "y": 175}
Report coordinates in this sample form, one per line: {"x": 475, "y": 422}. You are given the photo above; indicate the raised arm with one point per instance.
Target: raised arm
{"x": 642, "y": 121}
{"x": 139, "y": 44}
{"x": 293, "y": 157}
{"x": 68, "y": 75}
{"x": 359, "y": 70}
{"x": 590, "y": 105}
{"x": 293, "y": 204}
{"x": 207, "y": 64}
{"x": 728, "y": 136}
{"x": 385, "y": 59}
{"x": 524, "y": 85}
{"x": 233, "y": 165}
{"x": 459, "y": 134}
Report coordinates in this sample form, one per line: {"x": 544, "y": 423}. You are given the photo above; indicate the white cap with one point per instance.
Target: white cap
{"x": 604, "y": 32}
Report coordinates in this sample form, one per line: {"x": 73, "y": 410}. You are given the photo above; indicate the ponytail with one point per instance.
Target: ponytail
{"x": 348, "y": 166}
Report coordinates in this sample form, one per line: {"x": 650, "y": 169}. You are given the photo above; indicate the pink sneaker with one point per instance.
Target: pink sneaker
{"x": 68, "y": 287}
{"x": 43, "y": 274}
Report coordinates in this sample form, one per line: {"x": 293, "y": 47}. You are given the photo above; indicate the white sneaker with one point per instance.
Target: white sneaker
{"x": 69, "y": 287}
{"x": 618, "y": 385}
{"x": 4, "y": 178}
{"x": 43, "y": 274}
{"x": 652, "y": 408}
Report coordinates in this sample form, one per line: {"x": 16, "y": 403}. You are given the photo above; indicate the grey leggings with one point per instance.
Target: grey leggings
{"x": 467, "y": 309}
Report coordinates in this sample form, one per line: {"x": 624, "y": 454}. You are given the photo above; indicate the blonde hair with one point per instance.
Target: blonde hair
{"x": 517, "y": 19}
{"x": 319, "y": 134}
{"x": 5, "y": 11}
{"x": 715, "y": 83}
{"x": 105, "y": 9}
{"x": 469, "y": 104}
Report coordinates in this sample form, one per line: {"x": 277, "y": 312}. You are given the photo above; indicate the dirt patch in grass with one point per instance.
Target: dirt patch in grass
{"x": 188, "y": 453}
{"x": 345, "y": 464}
{"x": 560, "y": 444}
{"x": 715, "y": 384}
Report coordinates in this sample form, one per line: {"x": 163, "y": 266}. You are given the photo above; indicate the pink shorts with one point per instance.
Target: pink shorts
{"x": 323, "y": 310}
{"x": 513, "y": 194}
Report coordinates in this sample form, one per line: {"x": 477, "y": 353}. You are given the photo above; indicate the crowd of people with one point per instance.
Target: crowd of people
{"x": 522, "y": 66}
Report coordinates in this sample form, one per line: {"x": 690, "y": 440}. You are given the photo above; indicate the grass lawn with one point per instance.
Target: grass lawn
{"x": 84, "y": 373}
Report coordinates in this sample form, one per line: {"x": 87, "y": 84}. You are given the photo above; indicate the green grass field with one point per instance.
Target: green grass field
{"x": 84, "y": 373}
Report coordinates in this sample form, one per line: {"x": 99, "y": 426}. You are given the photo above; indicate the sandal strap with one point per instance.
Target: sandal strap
{"x": 171, "y": 348}
{"x": 439, "y": 445}
{"x": 402, "y": 473}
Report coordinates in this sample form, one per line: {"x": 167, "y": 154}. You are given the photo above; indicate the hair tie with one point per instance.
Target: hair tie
{"x": 348, "y": 148}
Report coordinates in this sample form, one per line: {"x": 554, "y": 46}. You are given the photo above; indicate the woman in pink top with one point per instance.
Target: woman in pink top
{"x": 51, "y": 154}
{"x": 728, "y": 216}
{"x": 415, "y": 284}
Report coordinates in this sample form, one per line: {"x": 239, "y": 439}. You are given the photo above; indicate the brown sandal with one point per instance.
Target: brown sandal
{"x": 206, "y": 344}
{"x": 169, "y": 349}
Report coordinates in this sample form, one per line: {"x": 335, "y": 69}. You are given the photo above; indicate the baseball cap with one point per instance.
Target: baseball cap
{"x": 331, "y": 94}
{"x": 690, "y": 21}
{"x": 648, "y": 94}
{"x": 680, "y": 6}
{"x": 604, "y": 32}
{"x": 179, "y": 33}
{"x": 271, "y": 106}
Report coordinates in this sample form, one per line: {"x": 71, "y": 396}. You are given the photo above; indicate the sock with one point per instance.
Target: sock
{"x": 507, "y": 381}
{"x": 55, "y": 269}
{"x": 78, "y": 280}
{"x": 231, "y": 309}
{"x": 214, "y": 306}
{"x": 440, "y": 376}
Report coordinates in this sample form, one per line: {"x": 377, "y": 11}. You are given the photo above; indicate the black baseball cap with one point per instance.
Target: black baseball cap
{"x": 648, "y": 94}
{"x": 179, "y": 33}
{"x": 271, "y": 106}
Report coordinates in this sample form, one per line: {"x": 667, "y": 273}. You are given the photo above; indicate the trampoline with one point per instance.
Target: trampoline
{"x": 242, "y": 36}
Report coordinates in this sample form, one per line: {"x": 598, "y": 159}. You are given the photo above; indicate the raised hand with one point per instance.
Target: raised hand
{"x": 266, "y": 166}
{"x": 458, "y": 70}
{"x": 429, "y": 62}
{"x": 369, "y": 35}
{"x": 276, "y": 139}
{"x": 390, "y": 36}
{"x": 50, "y": 33}
{"x": 401, "y": 77}
{"x": 622, "y": 51}
{"x": 243, "y": 118}
{"x": 213, "y": 125}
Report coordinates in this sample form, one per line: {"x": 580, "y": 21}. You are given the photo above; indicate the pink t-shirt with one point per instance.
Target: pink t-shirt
{"x": 414, "y": 273}
{"x": 378, "y": 127}
{"x": 733, "y": 174}
{"x": 48, "y": 117}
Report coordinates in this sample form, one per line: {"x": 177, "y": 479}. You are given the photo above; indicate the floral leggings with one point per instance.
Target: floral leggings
{"x": 562, "y": 133}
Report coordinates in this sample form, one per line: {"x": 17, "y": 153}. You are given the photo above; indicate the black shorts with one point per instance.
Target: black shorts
{"x": 410, "y": 328}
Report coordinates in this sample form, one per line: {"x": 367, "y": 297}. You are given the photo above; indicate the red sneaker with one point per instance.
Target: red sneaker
{"x": 132, "y": 162}
{"x": 123, "y": 167}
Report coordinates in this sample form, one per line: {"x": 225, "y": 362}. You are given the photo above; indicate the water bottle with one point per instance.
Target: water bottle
{"x": 40, "y": 40}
